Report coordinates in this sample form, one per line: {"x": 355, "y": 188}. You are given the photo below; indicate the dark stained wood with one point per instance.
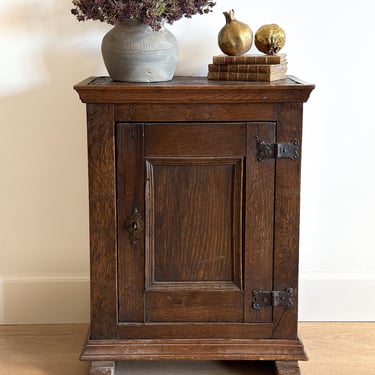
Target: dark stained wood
{"x": 197, "y": 215}
{"x": 217, "y": 222}
{"x": 287, "y": 204}
{"x": 194, "y": 206}
{"x": 208, "y": 349}
{"x": 102, "y": 195}
{"x": 195, "y": 139}
{"x": 193, "y": 112}
{"x": 259, "y": 220}
{"x": 194, "y": 90}
{"x": 194, "y": 306}
{"x": 287, "y": 368}
{"x": 195, "y": 330}
{"x": 130, "y": 191}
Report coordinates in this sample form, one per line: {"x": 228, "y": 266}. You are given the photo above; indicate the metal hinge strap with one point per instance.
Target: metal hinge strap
{"x": 277, "y": 150}
{"x": 275, "y": 298}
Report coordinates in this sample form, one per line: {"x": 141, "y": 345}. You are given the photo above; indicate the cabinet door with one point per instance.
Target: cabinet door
{"x": 195, "y": 229}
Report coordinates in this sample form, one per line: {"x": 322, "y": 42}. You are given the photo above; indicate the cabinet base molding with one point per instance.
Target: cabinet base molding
{"x": 209, "y": 349}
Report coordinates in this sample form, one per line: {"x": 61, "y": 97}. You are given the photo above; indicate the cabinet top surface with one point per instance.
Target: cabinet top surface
{"x": 193, "y": 90}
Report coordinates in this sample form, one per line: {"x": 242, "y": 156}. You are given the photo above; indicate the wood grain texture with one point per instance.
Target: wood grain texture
{"x": 194, "y": 210}
{"x": 335, "y": 348}
{"x": 130, "y": 191}
{"x": 339, "y": 348}
{"x": 287, "y": 368}
{"x": 259, "y": 221}
{"x": 195, "y": 330}
{"x": 197, "y": 210}
{"x": 102, "y": 205}
{"x": 193, "y": 90}
{"x": 218, "y": 223}
{"x": 287, "y": 208}
{"x": 207, "y": 349}
{"x": 215, "y": 140}
{"x": 194, "y": 306}
{"x": 138, "y": 112}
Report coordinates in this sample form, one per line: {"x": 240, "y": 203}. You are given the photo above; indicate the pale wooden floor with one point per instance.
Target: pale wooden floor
{"x": 333, "y": 349}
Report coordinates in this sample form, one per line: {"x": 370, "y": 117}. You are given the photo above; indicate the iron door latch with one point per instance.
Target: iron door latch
{"x": 277, "y": 150}
{"x": 275, "y": 298}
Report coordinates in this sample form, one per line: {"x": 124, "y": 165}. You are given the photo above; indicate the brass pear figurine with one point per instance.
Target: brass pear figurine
{"x": 235, "y": 38}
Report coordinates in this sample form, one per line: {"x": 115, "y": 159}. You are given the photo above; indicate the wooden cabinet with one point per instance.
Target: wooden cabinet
{"x": 194, "y": 220}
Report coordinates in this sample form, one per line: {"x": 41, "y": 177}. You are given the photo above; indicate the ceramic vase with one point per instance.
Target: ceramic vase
{"x": 133, "y": 52}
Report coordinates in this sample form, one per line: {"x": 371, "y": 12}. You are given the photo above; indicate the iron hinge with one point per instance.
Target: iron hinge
{"x": 277, "y": 150}
{"x": 275, "y": 298}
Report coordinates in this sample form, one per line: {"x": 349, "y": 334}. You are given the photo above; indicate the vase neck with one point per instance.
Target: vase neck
{"x": 131, "y": 23}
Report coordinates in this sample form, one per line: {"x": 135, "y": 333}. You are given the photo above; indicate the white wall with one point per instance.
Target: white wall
{"x": 44, "y": 51}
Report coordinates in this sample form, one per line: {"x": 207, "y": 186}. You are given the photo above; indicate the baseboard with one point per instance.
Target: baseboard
{"x": 65, "y": 299}
{"x": 44, "y": 299}
{"x": 337, "y": 297}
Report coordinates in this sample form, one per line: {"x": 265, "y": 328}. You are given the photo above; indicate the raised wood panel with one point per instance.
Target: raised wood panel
{"x": 195, "y": 208}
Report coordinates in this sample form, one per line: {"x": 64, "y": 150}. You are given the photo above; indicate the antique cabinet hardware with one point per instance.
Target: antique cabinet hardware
{"x": 277, "y": 150}
{"x": 134, "y": 225}
{"x": 275, "y": 298}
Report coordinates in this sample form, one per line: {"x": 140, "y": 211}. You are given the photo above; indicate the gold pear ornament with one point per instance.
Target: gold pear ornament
{"x": 269, "y": 39}
{"x": 235, "y": 38}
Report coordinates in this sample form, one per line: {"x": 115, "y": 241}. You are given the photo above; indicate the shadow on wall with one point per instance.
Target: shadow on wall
{"x": 41, "y": 38}
{"x": 43, "y": 205}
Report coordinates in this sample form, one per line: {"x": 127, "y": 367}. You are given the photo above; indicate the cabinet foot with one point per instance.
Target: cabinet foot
{"x": 287, "y": 368}
{"x": 102, "y": 368}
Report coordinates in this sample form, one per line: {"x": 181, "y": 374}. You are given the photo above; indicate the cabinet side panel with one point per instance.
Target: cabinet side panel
{"x": 287, "y": 206}
{"x": 130, "y": 202}
{"x": 259, "y": 220}
{"x": 101, "y": 157}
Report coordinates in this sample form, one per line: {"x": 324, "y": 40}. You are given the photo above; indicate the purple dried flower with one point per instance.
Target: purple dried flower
{"x": 150, "y": 12}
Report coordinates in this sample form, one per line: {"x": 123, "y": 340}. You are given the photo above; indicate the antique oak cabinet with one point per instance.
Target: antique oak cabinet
{"x": 194, "y": 190}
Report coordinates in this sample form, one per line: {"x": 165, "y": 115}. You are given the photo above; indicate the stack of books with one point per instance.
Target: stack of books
{"x": 248, "y": 68}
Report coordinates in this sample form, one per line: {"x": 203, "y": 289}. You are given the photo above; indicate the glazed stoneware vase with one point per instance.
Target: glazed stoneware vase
{"x": 133, "y": 52}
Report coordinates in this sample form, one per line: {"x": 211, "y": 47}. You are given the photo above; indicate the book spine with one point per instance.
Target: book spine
{"x": 249, "y": 59}
{"x": 228, "y": 76}
{"x": 248, "y": 68}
